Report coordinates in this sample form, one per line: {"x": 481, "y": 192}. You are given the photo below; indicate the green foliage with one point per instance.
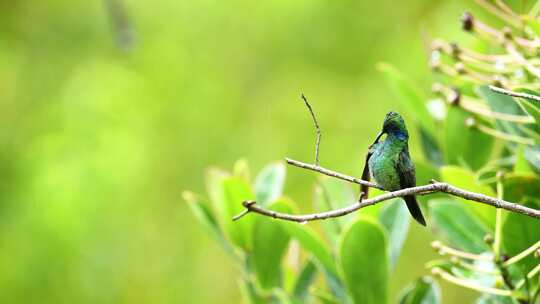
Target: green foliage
{"x": 395, "y": 218}
{"x": 465, "y": 146}
{"x": 269, "y": 183}
{"x": 363, "y": 261}
{"x": 457, "y": 225}
{"x": 355, "y": 266}
{"x": 479, "y": 140}
{"x": 269, "y": 246}
{"x": 423, "y": 291}
{"x": 463, "y": 178}
{"x": 520, "y": 232}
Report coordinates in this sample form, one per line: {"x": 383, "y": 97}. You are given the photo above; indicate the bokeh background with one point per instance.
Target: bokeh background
{"x": 110, "y": 109}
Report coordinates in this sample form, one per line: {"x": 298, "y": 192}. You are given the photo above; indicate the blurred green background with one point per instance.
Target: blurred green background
{"x": 100, "y": 134}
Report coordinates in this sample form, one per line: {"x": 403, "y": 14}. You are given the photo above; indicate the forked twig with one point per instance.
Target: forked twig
{"x": 317, "y": 129}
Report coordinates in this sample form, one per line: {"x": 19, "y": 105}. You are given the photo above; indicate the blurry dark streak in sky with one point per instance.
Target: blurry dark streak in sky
{"x": 121, "y": 25}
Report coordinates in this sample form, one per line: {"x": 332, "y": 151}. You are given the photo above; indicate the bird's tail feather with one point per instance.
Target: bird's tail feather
{"x": 414, "y": 209}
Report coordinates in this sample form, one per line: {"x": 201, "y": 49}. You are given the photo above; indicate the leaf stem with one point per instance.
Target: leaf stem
{"x": 446, "y": 250}
{"x": 530, "y": 275}
{"x": 464, "y": 283}
{"x": 523, "y": 254}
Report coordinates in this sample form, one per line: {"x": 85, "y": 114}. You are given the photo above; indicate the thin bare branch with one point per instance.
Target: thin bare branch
{"x": 251, "y": 206}
{"x": 514, "y": 94}
{"x": 331, "y": 173}
{"x": 317, "y": 128}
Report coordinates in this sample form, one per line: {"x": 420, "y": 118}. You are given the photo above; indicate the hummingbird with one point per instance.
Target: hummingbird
{"x": 390, "y": 164}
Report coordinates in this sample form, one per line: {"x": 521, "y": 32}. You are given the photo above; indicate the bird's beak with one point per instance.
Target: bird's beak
{"x": 379, "y": 136}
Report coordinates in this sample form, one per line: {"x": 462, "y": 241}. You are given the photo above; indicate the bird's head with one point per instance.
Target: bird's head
{"x": 394, "y": 126}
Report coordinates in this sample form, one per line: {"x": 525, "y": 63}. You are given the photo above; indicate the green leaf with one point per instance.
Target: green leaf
{"x": 532, "y": 155}
{"x": 532, "y": 23}
{"x": 532, "y": 108}
{"x": 503, "y": 104}
{"x": 410, "y": 96}
{"x": 518, "y": 187}
{"x": 249, "y": 293}
{"x": 395, "y": 218}
{"x": 431, "y": 148}
{"x": 269, "y": 246}
{"x": 521, "y": 166}
{"x": 465, "y": 179}
{"x": 269, "y": 183}
{"x": 213, "y": 181}
{"x": 463, "y": 144}
{"x": 311, "y": 243}
{"x": 520, "y": 232}
{"x": 458, "y": 226}
{"x": 332, "y": 194}
{"x": 325, "y": 298}
{"x": 241, "y": 170}
{"x": 491, "y": 299}
{"x": 304, "y": 281}
{"x": 363, "y": 261}
{"x": 424, "y": 291}
{"x": 202, "y": 212}
{"x": 229, "y": 203}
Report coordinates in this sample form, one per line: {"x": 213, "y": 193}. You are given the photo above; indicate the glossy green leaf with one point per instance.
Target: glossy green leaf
{"x": 459, "y": 227}
{"x": 409, "y": 95}
{"x": 229, "y": 203}
{"x": 465, "y": 145}
{"x": 465, "y": 179}
{"x": 270, "y": 242}
{"x": 269, "y": 183}
{"x": 503, "y": 104}
{"x": 395, "y": 218}
{"x": 363, "y": 261}
{"x": 304, "y": 280}
{"x": 202, "y": 212}
{"x": 424, "y": 291}
{"x": 520, "y": 232}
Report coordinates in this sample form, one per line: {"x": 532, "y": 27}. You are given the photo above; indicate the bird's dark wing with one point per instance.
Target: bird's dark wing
{"x": 405, "y": 169}
{"x": 364, "y": 190}
{"x": 365, "y": 176}
{"x": 407, "y": 179}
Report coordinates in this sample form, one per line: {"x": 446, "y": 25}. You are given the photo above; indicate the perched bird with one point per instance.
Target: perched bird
{"x": 390, "y": 164}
